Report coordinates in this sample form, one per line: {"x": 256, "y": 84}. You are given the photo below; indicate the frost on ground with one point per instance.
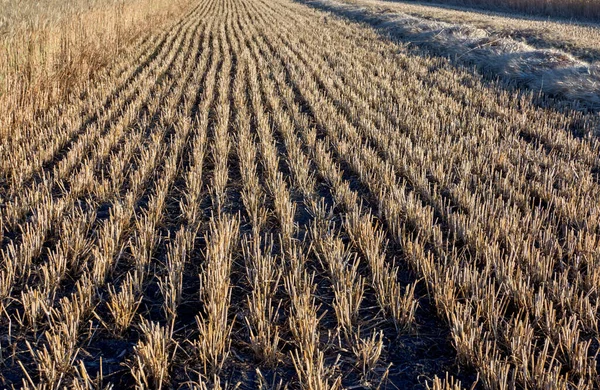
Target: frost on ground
{"x": 550, "y": 71}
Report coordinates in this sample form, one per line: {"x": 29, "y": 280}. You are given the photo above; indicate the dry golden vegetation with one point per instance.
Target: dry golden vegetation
{"x": 544, "y": 70}
{"x": 256, "y": 194}
{"x": 50, "y": 50}
{"x": 578, "y": 39}
{"x": 578, "y": 9}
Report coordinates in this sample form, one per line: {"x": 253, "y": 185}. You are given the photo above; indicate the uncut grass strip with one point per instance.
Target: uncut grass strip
{"x": 57, "y": 141}
{"x": 93, "y": 115}
{"x": 88, "y": 160}
{"x": 155, "y": 53}
{"x": 116, "y": 71}
{"x": 110, "y": 137}
{"x": 39, "y": 241}
{"x": 26, "y": 144}
{"x": 112, "y": 116}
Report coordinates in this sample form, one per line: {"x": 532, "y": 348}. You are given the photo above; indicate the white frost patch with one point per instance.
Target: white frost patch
{"x": 550, "y": 71}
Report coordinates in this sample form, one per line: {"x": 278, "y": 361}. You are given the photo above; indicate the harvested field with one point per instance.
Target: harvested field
{"x": 577, "y": 38}
{"x": 264, "y": 195}
{"x": 545, "y": 70}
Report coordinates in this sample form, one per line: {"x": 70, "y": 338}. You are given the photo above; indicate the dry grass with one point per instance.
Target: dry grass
{"x": 578, "y": 9}
{"x": 49, "y": 51}
{"x": 545, "y": 71}
{"x": 579, "y": 39}
{"x": 261, "y": 195}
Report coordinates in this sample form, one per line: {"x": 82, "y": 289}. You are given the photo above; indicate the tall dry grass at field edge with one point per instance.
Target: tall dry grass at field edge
{"x": 573, "y": 9}
{"x": 45, "y": 61}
